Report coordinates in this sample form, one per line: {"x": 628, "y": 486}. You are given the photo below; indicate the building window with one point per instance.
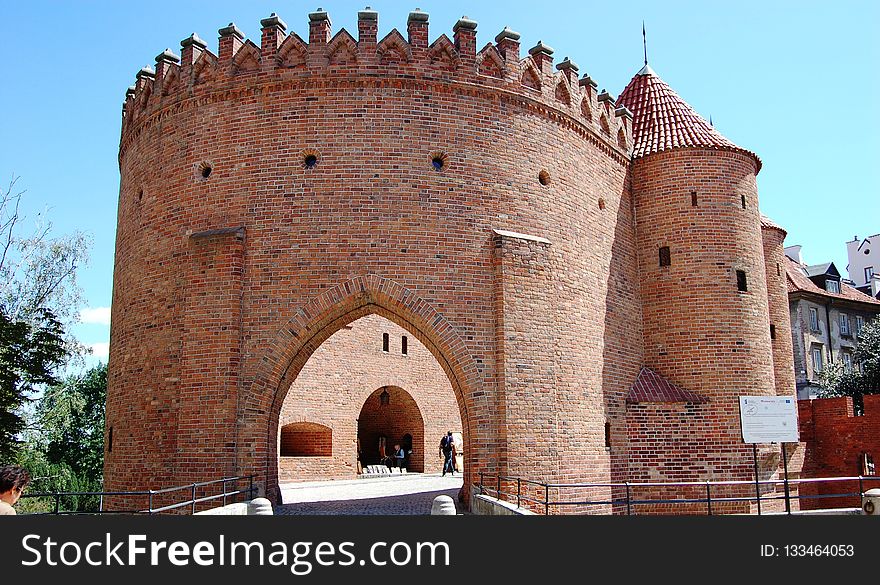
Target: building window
{"x": 843, "y": 319}
{"x": 814, "y": 319}
{"x": 772, "y": 331}
{"x": 385, "y": 342}
{"x": 847, "y": 362}
{"x": 608, "y": 434}
{"x": 817, "y": 359}
{"x": 403, "y": 345}
{"x": 869, "y": 274}
{"x": 860, "y": 323}
{"x": 693, "y": 198}
{"x": 665, "y": 256}
{"x": 743, "y": 199}
{"x": 832, "y": 286}
{"x": 741, "y": 284}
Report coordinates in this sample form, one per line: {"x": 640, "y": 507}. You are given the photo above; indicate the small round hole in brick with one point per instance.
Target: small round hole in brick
{"x": 438, "y": 160}
{"x": 310, "y": 161}
{"x": 544, "y": 178}
{"x": 205, "y": 170}
{"x": 601, "y": 204}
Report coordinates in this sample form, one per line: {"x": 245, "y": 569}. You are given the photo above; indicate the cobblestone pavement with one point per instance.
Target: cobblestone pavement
{"x": 410, "y": 495}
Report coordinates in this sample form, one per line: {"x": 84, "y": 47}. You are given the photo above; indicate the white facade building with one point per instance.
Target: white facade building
{"x": 864, "y": 264}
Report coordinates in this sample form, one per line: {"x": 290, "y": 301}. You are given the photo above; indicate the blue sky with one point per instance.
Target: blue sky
{"x": 793, "y": 81}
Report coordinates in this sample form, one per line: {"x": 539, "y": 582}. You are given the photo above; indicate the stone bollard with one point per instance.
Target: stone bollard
{"x": 443, "y": 506}
{"x": 871, "y": 502}
{"x": 260, "y": 507}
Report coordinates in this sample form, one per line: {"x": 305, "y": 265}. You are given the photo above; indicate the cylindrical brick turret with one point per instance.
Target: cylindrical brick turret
{"x": 777, "y": 296}
{"x": 704, "y": 289}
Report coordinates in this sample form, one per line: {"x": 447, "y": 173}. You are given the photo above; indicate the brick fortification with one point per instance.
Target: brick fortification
{"x": 835, "y": 443}
{"x": 498, "y": 209}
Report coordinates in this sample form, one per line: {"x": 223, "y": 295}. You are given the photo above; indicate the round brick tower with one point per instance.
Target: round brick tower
{"x": 277, "y": 191}
{"x": 704, "y": 287}
{"x": 780, "y": 317}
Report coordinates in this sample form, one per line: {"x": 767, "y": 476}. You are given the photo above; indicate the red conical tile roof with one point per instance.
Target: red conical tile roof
{"x": 662, "y": 120}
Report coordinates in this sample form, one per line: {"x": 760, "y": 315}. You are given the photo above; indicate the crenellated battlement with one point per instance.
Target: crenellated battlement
{"x": 282, "y": 57}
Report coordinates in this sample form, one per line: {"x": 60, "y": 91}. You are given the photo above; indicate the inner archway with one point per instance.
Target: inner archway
{"x": 389, "y": 417}
{"x": 371, "y": 377}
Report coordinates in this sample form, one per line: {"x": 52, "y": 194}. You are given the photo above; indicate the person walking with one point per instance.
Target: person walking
{"x": 447, "y": 448}
{"x": 13, "y": 480}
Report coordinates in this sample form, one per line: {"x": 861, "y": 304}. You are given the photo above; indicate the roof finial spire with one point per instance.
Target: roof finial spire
{"x": 645, "y": 42}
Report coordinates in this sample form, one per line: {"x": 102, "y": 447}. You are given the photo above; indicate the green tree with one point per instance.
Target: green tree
{"x": 864, "y": 378}
{"x": 29, "y": 353}
{"x": 39, "y": 299}
{"x": 71, "y": 418}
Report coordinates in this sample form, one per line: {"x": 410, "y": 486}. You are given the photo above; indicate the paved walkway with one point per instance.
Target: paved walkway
{"x": 411, "y": 494}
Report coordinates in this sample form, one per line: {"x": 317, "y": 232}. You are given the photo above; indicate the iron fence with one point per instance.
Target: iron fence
{"x": 156, "y": 501}
{"x": 526, "y": 491}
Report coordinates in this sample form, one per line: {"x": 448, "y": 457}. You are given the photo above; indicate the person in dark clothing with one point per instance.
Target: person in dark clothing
{"x": 447, "y": 448}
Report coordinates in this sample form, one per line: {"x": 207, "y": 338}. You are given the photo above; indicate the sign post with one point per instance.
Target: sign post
{"x": 769, "y": 419}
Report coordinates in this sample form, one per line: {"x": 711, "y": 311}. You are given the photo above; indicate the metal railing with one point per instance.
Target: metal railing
{"x": 501, "y": 487}
{"x": 155, "y": 500}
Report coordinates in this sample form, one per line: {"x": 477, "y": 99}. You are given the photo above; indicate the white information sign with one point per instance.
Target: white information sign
{"x": 769, "y": 419}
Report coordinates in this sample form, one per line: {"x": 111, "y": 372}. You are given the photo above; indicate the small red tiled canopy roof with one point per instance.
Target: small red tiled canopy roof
{"x": 799, "y": 282}
{"x": 663, "y": 121}
{"x": 652, "y": 387}
{"x": 768, "y": 223}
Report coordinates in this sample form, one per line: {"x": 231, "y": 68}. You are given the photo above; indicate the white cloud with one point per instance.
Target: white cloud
{"x": 100, "y": 350}
{"x": 98, "y": 315}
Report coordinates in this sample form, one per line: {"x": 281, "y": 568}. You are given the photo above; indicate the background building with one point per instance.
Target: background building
{"x": 864, "y": 264}
{"x": 827, "y": 315}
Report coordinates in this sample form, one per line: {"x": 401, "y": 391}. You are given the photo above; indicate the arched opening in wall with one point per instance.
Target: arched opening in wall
{"x": 372, "y": 399}
{"x": 305, "y": 439}
{"x": 391, "y": 419}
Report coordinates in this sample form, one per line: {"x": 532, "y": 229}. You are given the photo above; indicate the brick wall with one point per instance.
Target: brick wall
{"x": 834, "y": 440}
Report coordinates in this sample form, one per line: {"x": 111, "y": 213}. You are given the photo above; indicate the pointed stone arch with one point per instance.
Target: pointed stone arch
{"x": 490, "y": 62}
{"x": 530, "y": 77}
{"x": 604, "y": 125}
{"x": 442, "y": 53}
{"x": 144, "y": 98}
{"x": 342, "y": 49}
{"x": 205, "y": 68}
{"x": 312, "y": 324}
{"x": 171, "y": 81}
{"x": 393, "y": 49}
{"x": 293, "y": 52}
{"x": 247, "y": 58}
{"x": 563, "y": 94}
{"x": 586, "y": 109}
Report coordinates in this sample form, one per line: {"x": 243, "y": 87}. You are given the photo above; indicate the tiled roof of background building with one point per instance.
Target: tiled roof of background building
{"x": 662, "y": 120}
{"x": 798, "y": 281}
